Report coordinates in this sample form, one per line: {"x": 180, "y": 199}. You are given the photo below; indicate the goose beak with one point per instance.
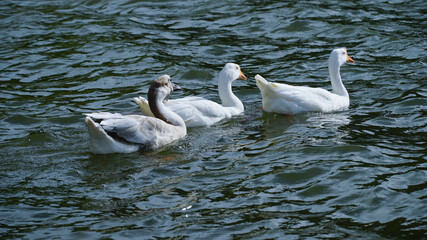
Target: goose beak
{"x": 349, "y": 60}
{"x": 176, "y": 87}
{"x": 242, "y": 76}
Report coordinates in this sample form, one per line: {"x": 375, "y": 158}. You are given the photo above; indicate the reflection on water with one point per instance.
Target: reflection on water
{"x": 330, "y": 120}
{"x": 356, "y": 174}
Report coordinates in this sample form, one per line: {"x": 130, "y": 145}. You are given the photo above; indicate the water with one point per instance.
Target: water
{"x": 357, "y": 174}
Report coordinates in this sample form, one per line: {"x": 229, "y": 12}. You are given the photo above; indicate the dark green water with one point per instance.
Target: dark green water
{"x": 357, "y": 174}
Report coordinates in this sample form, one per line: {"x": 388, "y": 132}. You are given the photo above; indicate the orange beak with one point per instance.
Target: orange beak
{"x": 242, "y": 76}
{"x": 349, "y": 60}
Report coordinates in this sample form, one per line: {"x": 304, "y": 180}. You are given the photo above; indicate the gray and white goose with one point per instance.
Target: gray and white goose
{"x": 117, "y": 133}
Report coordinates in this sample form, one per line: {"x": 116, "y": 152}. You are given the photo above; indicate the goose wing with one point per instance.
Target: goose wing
{"x": 307, "y": 98}
{"x": 134, "y": 128}
{"x": 197, "y": 111}
{"x": 284, "y": 98}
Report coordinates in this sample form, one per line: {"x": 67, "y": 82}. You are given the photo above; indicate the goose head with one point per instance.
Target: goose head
{"x": 159, "y": 92}
{"x": 161, "y": 89}
{"x": 339, "y": 56}
{"x": 231, "y": 72}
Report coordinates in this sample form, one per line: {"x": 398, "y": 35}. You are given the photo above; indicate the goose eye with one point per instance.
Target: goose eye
{"x": 343, "y": 53}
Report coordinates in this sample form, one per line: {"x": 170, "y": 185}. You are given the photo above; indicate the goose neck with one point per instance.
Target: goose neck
{"x": 226, "y": 94}
{"x": 162, "y": 112}
{"x": 336, "y": 81}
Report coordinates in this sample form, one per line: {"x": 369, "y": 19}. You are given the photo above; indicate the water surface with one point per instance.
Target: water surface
{"x": 357, "y": 174}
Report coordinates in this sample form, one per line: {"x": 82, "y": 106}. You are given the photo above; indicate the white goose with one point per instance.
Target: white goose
{"x": 197, "y": 111}
{"x": 287, "y": 99}
{"x": 116, "y": 133}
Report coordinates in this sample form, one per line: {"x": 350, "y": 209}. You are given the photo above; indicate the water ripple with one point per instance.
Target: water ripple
{"x": 353, "y": 174}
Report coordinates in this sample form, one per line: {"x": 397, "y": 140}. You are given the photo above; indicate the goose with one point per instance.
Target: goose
{"x": 117, "y": 133}
{"x": 198, "y": 111}
{"x": 286, "y": 99}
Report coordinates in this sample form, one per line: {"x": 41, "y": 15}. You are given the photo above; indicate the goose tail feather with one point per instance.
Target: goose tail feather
{"x": 144, "y": 106}
{"x": 102, "y": 143}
